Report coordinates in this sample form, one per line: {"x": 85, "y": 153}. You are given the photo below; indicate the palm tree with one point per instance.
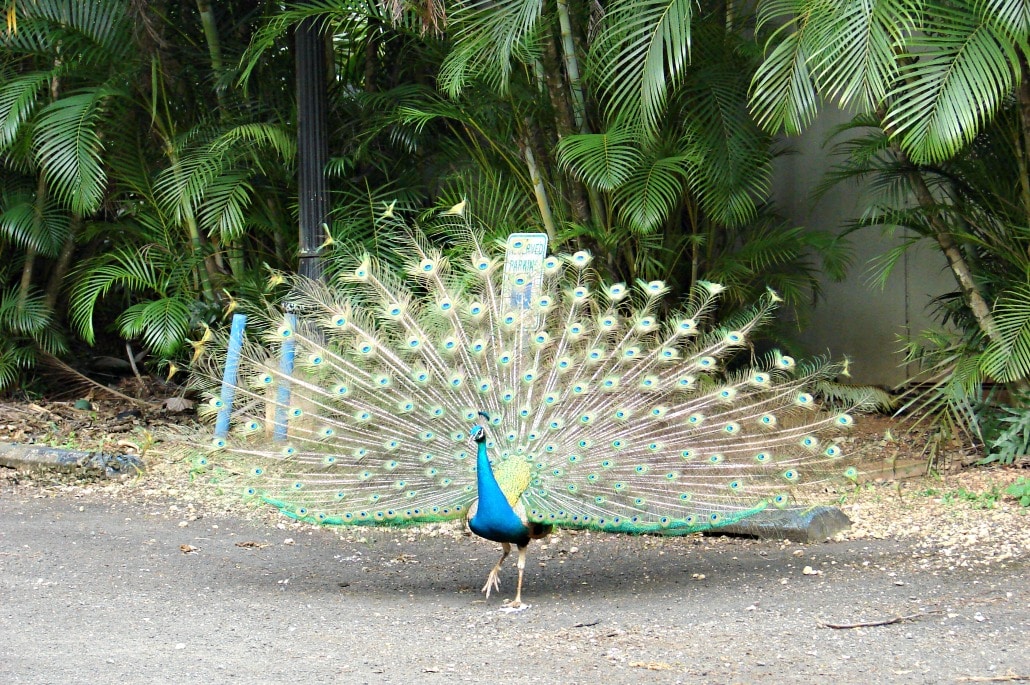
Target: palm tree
{"x": 942, "y": 91}
{"x": 112, "y": 157}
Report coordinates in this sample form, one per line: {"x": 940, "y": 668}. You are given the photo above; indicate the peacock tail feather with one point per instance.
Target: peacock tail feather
{"x": 603, "y": 413}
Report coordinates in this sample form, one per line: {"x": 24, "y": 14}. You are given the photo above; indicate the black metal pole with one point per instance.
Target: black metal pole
{"x": 312, "y": 145}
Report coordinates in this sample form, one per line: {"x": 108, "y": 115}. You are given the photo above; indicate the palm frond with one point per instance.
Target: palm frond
{"x": 18, "y": 101}
{"x": 640, "y": 55}
{"x": 487, "y": 38}
{"x": 69, "y": 148}
{"x": 731, "y": 163}
{"x": 1012, "y": 16}
{"x": 961, "y": 68}
{"x": 1007, "y": 358}
{"x": 162, "y": 323}
{"x": 859, "y": 42}
{"x": 23, "y": 225}
{"x": 783, "y": 92}
{"x": 649, "y": 195}
{"x": 602, "y": 160}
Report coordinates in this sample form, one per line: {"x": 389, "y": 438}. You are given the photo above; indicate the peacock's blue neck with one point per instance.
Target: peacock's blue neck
{"x": 494, "y": 518}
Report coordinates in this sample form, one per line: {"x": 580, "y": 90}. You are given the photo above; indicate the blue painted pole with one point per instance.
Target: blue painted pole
{"x": 282, "y": 393}
{"x": 231, "y": 374}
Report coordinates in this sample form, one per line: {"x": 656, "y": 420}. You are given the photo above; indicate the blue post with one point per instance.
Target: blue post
{"x": 229, "y": 378}
{"x": 282, "y": 393}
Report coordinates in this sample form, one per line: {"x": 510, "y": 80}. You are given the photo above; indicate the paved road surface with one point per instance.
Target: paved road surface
{"x": 94, "y": 590}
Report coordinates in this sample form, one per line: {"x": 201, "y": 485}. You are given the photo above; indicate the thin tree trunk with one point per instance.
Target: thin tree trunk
{"x": 978, "y": 305}
{"x": 214, "y": 48}
{"x": 539, "y": 190}
{"x": 579, "y": 108}
{"x": 566, "y": 124}
{"x": 64, "y": 260}
{"x": 29, "y": 266}
{"x": 1023, "y": 155}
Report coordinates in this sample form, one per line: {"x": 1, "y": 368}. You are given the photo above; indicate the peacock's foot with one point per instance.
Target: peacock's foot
{"x": 513, "y": 606}
{"x": 493, "y": 581}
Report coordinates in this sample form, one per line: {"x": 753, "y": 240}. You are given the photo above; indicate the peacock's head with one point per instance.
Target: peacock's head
{"x": 478, "y": 430}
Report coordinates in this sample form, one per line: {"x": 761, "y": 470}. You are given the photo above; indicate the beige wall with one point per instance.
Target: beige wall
{"x": 857, "y": 318}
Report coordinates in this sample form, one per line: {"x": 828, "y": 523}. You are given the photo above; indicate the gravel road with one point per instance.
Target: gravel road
{"x": 102, "y": 589}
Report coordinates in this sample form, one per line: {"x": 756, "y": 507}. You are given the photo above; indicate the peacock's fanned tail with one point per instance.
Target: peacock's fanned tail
{"x": 619, "y": 418}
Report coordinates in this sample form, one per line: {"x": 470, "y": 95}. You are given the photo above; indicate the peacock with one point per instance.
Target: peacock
{"x": 519, "y": 393}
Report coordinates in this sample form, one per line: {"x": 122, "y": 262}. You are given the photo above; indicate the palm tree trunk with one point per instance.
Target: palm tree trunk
{"x": 214, "y": 48}
{"x": 978, "y": 305}
{"x": 29, "y": 266}
{"x": 64, "y": 260}
{"x": 550, "y": 79}
{"x": 539, "y": 190}
{"x": 1023, "y": 156}
{"x": 579, "y": 108}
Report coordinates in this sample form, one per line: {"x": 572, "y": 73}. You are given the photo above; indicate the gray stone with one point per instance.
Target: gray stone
{"x": 18, "y": 456}
{"x": 798, "y": 524}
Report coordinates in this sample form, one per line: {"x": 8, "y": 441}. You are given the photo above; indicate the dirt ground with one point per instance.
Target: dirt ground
{"x": 158, "y": 579}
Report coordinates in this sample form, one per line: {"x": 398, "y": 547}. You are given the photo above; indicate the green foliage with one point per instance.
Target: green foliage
{"x": 147, "y": 166}
{"x": 1020, "y": 490}
{"x": 160, "y": 281}
{"x": 1011, "y": 439}
{"x": 938, "y": 71}
{"x": 976, "y": 500}
{"x": 25, "y": 329}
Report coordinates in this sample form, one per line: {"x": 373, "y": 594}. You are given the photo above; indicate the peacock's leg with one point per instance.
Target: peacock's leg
{"x": 493, "y": 581}
{"x": 522, "y": 567}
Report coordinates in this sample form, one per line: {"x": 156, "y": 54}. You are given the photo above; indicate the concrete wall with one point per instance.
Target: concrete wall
{"x": 857, "y": 318}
